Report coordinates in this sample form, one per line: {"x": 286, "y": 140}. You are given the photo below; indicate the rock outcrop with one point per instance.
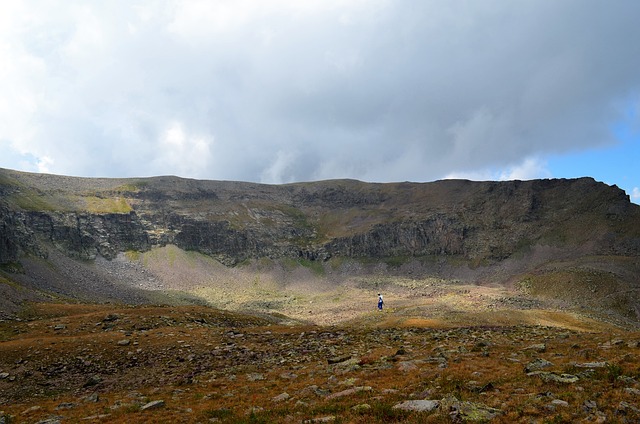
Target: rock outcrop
{"x": 232, "y": 221}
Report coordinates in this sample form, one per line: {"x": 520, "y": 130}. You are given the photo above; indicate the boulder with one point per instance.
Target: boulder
{"x": 418, "y": 405}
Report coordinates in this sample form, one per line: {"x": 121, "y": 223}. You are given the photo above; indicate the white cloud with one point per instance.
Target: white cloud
{"x": 280, "y": 169}
{"x": 185, "y": 154}
{"x": 44, "y": 164}
{"x": 529, "y": 169}
{"x": 635, "y": 195}
{"x": 292, "y": 90}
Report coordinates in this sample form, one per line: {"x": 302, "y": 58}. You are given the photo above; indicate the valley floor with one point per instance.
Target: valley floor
{"x": 105, "y": 363}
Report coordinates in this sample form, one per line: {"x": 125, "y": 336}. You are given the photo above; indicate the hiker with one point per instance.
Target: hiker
{"x": 380, "y": 302}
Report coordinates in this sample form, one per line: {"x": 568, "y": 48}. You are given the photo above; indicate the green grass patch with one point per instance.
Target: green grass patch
{"x": 396, "y": 261}
{"x": 131, "y": 187}
{"x": 12, "y": 267}
{"x": 31, "y": 200}
{"x": 10, "y": 283}
{"x": 6, "y": 332}
{"x": 95, "y": 204}
{"x": 336, "y": 262}
{"x": 133, "y": 255}
{"x": 316, "y": 267}
{"x": 9, "y": 182}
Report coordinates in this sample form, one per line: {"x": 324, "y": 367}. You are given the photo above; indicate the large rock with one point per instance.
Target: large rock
{"x": 472, "y": 412}
{"x": 551, "y": 377}
{"x": 418, "y": 405}
{"x": 537, "y": 365}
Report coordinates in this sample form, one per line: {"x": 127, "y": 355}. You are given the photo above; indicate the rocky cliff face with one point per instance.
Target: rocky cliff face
{"x": 230, "y": 221}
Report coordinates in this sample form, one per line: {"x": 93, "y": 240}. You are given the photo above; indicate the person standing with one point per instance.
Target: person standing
{"x": 380, "y": 302}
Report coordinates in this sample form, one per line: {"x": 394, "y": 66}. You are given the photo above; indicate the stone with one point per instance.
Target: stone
{"x": 92, "y": 398}
{"x": 624, "y": 407}
{"x": 349, "y": 392}
{"x": 407, "y": 366}
{"x": 327, "y": 419}
{"x": 66, "y": 405}
{"x": 301, "y": 404}
{"x": 559, "y": 402}
{"x": 400, "y": 352}
{"x": 3, "y": 375}
{"x": 338, "y": 359}
{"x": 418, "y": 405}
{"x": 96, "y": 417}
{"x": 600, "y": 417}
{"x": 92, "y": 381}
{"x": 361, "y": 407}
{"x": 592, "y": 365}
{"x": 553, "y": 377}
{"x": 255, "y": 377}
{"x": 254, "y": 410}
{"x": 314, "y": 390}
{"x": 437, "y": 360}
{"x": 31, "y": 409}
{"x": 471, "y": 411}
{"x": 281, "y": 397}
{"x": 288, "y": 376}
{"x": 477, "y": 387}
{"x": 632, "y": 391}
{"x": 155, "y": 404}
{"x": 537, "y": 365}
{"x": 590, "y": 406}
{"x": 538, "y": 347}
{"x": 350, "y": 382}
{"x": 51, "y": 420}
{"x": 626, "y": 379}
{"x": 125, "y": 342}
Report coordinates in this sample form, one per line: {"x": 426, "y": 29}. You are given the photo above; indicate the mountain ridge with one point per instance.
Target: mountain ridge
{"x": 574, "y": 232}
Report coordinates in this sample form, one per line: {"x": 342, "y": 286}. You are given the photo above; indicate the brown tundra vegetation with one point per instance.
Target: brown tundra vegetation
{"x": 107, "y": 364}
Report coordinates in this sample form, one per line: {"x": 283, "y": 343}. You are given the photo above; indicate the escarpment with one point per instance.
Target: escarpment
{"x": 233, "y": 221}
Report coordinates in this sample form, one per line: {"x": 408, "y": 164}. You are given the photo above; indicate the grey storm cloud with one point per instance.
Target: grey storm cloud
{"x": 289, "y": 91}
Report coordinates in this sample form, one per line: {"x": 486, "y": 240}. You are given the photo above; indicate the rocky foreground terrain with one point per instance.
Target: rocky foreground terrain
{"x": 66, "y": 363}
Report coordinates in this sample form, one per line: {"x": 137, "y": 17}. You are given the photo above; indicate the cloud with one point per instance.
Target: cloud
{"x": 529, "y": 169}
{"x": 280, "y": 170}
{"x": 189, "y": 155}
{"x": 287, "y": 91}
{"x": 635, "y": 195}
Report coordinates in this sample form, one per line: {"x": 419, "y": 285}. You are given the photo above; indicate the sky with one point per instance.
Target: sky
{"x": 282, "y": 91}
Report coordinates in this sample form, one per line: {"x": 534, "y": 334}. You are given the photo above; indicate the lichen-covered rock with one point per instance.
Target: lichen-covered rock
{"x": 418, "y": 405}
{"x": 553, "y": 377}
{"x": 472, "y": 412}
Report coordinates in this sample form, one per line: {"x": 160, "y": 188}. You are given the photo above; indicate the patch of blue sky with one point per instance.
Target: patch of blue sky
{"x": 617, "y": 164}
{"x": 11, "y": 159}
